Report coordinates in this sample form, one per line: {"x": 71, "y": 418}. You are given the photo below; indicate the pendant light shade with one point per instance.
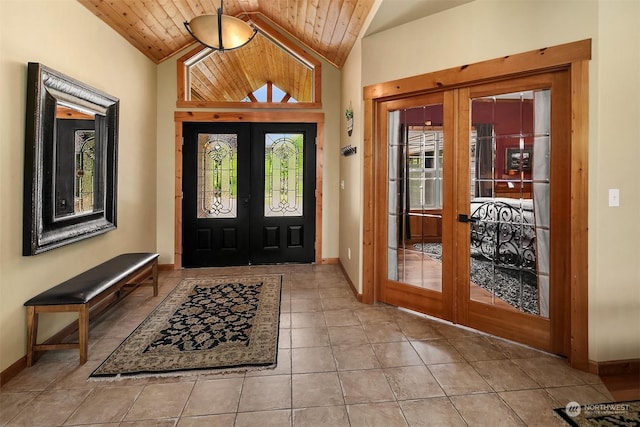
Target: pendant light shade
{"x": 220, "y": 32}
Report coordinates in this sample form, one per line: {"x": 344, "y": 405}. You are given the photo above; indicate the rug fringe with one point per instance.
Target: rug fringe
{"x": 189, "y": 373}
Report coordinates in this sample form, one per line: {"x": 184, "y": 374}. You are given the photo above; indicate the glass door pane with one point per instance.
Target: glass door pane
{"x": 415, "y": 170}
{"x": 509, "y": 212}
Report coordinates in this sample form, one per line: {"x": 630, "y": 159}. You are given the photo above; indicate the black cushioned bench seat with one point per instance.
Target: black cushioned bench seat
{"x": 83, "y": 291}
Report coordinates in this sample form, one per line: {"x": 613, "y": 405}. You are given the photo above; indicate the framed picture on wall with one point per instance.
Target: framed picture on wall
{"x": 518, "y": 160}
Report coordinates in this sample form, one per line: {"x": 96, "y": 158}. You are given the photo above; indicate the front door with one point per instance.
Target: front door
{"x": 248, "y": 193}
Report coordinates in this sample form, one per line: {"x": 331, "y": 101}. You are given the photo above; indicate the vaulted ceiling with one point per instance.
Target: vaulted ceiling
{"x": 329, "y": 28}
{"x": 156, "y": 27}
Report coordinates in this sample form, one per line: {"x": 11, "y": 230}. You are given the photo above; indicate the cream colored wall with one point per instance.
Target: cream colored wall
{"x": 351, "y": 169}
{"x": 488, "y": 29}
{"x": 68, "y": 38}
{"x": 167, "y": 96}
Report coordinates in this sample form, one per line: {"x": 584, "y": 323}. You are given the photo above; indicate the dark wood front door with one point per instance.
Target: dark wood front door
{"x": 248, "y": 193}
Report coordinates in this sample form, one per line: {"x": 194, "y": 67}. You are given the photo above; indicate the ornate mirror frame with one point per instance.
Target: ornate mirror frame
{"x": 70, "y": 188}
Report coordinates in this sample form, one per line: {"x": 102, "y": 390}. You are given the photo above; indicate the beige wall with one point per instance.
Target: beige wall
{"x": 167, "y": 96}
{"x": 67, "y": 37}
{"x": 351, "y": 169}
{"x": 488, "y": 29}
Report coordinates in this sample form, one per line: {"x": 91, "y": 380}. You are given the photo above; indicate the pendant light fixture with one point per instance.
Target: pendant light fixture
{"x": 220, "y": 32}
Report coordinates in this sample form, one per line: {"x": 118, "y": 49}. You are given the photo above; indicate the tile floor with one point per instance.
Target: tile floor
{"x": 340, "y": 363}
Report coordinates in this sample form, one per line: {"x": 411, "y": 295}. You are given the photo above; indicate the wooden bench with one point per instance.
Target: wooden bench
{"x": 84, "y": 291}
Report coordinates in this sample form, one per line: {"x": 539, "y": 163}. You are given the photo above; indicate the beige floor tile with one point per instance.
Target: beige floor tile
{"x": 583, "y": 394}
{"x": 459, "y": 378}
{"x": 214, "y": 397}
{"x": 314, "y": 319}
{"x": 437, "y": 411}
{"x": 517, "y": 351}
{"x": 477, "y": 348}
{"x": 307, "y": 293}
{"x": 279, "y": 418}
{"x": 376, "y": 415}
{"x": 503, "y": 375}
{"x": 437, "y": 351}
{"x": 38, "y": 377}
{"x": 224, "y": 420}
{"x": 451, "y": 331}
{"x": 309, "y": 337}
{"x": 350, "y": 357}
{"x": 314, "y": 359}
{"x": 284, "y": 338}
{"x": 412, "y": 382}
{"x": 106, "y": 405}
{"x": 550, "y": 371}
{"x": 341, "y": 318}
{"x": 160, "y": 401}
{"x": 534, "y": 407}
{"x": 165, "y": 422}
{"x": 50, "y": 408}
{"x": 12, "y": 403}
{"x": 76, "y": 377}
{"x": 396, "y": 354}
{"x": 485, "y": 410}
{"x": 341, "y": 292}
{"x": 329, "y": 416}
{"x": 367, "y": 386}
{"x": 339, "y": 303}
{"x": 266, "y": 393}
{"x": 419, "y": 329}
{"x": 318, "y": 300}
{"x": 305, "y": 305}
{"x": 383, "y": 332}
{"x": 317, "y": 389}
{"x": 347, "y": 335}
{"x": 283, "y": 366}
{"x": 285, "y": 320}
{"x": 375, "y": 314}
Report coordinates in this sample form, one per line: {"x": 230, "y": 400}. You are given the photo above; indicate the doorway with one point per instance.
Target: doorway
{"x": 459, "y": 188}
{"x": 248, "y": 193}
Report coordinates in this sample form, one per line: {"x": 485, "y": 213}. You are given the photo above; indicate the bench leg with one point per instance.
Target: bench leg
{"x": 83, "y": 333}
{"x": 32, "y": 333}
{"x": 154, "y": 274}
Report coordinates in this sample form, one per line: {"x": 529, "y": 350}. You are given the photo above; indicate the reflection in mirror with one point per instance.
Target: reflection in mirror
{"x": 76, "y": 151}
{"x": 70, "y": 161}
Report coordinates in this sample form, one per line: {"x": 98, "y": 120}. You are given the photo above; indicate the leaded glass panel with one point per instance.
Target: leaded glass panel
{"x": 85, "y": 156}
{"x": 283, "y": 174}
{"x": 217, "y": 176}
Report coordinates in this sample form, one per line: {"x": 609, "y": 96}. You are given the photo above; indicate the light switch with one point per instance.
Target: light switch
{"x": 614, "y": 197}
{"x": 342, "y": 184}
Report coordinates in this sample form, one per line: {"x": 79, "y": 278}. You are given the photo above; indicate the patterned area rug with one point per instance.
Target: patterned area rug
{"x": 601, "y": 414}
{"x": 208, "y": 323}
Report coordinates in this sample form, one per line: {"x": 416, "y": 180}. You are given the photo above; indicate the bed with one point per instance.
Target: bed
{"x": 503, "y": 231}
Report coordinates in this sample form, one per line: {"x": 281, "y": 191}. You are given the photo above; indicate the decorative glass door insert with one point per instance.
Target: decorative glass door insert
{"x": 217, "y": 175}
{"x": 283, "y": 182}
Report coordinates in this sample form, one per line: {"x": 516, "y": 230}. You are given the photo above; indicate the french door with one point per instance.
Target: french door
{"x": 475, "y": 219}
{"x": 248, "y": 193}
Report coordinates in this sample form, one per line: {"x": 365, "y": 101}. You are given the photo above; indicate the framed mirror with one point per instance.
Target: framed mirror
{"x": 70, "y": 173}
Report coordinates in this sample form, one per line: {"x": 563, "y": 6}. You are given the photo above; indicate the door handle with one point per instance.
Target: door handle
{"x": 245, "y": 201}
{"x": 466, "y": 218}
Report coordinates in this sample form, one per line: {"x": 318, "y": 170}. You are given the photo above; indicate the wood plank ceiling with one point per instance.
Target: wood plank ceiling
{"x": 156, "y": 27}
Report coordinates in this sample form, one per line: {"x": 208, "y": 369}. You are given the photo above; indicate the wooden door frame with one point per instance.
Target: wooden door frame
{"x": 573, "y": 57}
{"x": 245, "y": 117}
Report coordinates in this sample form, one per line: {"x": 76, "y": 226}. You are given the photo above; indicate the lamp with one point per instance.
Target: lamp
{"x": 220, "y": 32}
